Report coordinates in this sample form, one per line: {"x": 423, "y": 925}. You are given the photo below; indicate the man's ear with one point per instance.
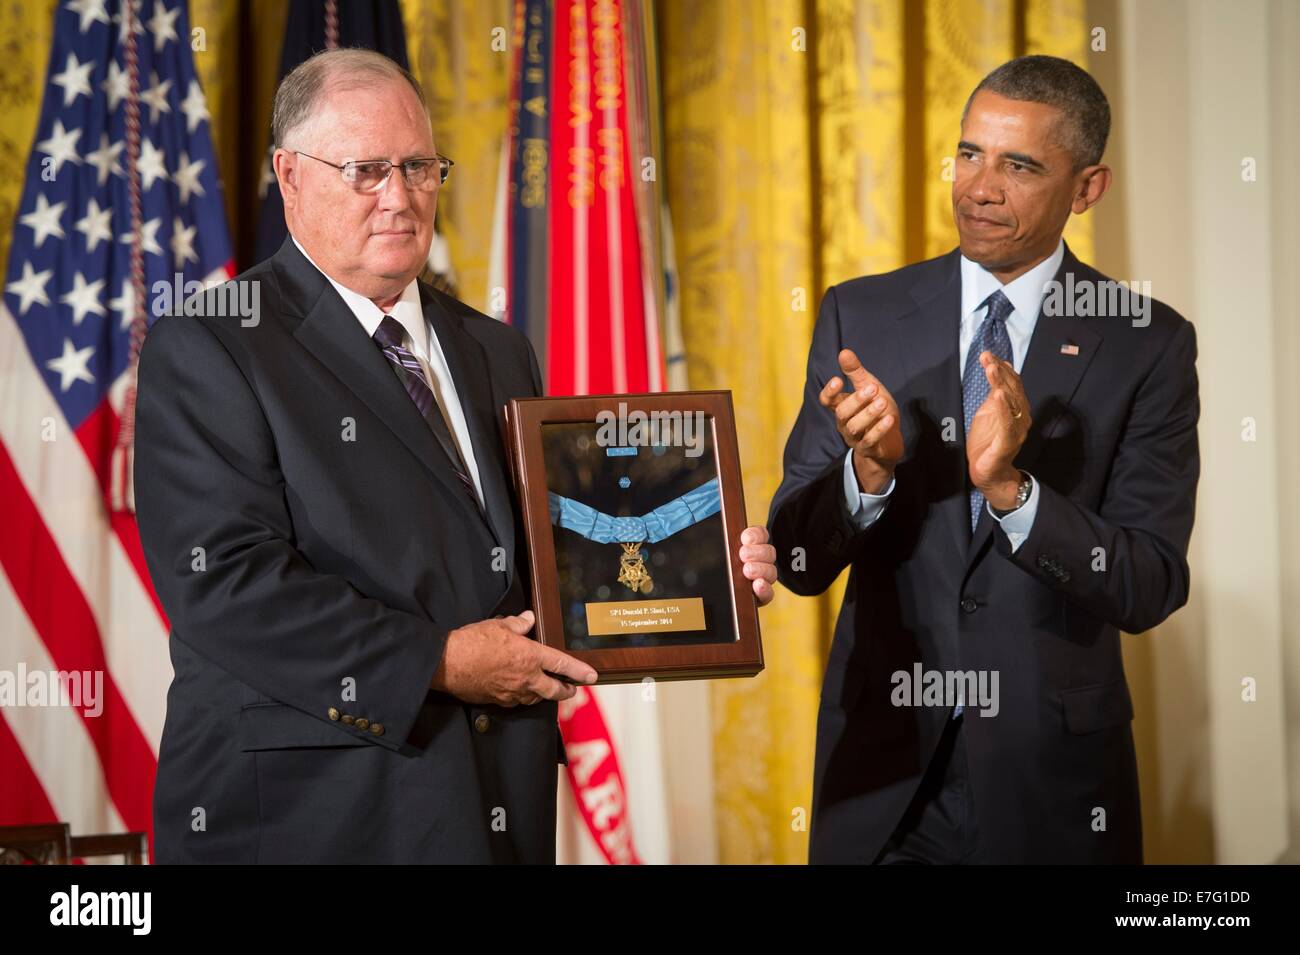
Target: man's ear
{"x": 285, "y": 165}
{"x": 1092, "y": 185}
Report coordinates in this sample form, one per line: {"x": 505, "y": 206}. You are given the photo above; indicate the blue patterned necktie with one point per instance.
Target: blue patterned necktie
{"x": 389, "y": 336}
{"x": 992, "y": 336}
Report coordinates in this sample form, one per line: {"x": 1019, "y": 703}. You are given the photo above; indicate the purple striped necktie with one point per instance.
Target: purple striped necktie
{"x": 389, "y": 337}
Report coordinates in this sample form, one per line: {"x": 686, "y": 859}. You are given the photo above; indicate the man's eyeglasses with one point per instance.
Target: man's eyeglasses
{"x": 369, "y": 175}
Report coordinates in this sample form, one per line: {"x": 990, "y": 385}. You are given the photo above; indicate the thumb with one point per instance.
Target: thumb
{"x": 990, "y": 369}
{"x": 520, "y": 623}
{"x": 858, "y": 376}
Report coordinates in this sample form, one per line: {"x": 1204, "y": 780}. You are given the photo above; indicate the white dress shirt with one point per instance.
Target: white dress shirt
{"x": 422, "y": 342}
{"x": 1026, "y": 294}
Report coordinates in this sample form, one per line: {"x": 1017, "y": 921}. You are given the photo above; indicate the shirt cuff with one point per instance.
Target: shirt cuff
{"x": 1019, "y": 522}
{"x": 864, "y": 509}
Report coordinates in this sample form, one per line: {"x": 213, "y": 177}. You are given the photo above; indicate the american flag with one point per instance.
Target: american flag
{"x": 122, "y": 171}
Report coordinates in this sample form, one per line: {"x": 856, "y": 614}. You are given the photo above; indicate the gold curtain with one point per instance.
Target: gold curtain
{"x": 237, "y": 59}
{"x": 464, "y": 67}
{"x": 805, "y": 144}
{"x": 28, "y": 31}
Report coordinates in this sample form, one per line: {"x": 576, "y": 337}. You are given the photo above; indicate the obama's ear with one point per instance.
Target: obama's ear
{"x": 1094, "y": 181}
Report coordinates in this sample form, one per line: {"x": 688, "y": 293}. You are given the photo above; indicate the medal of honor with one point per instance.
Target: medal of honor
{"x": 632, "y": 572}
{"x": 631, "y": 532}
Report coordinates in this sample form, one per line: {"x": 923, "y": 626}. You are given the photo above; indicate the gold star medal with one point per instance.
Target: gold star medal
{"x": 632, "y": 570}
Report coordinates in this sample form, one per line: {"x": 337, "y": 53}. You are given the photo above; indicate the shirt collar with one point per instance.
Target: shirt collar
{"x": 1026, "y": 292}
{"x": 407, "y": 310}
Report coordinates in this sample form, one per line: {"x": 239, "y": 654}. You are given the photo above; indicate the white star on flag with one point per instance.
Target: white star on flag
{"x": 75, "y": 79}
{"x": 90, "y": 11}
{"x": 156, "y": 97}
{"x": 104, "y": 159}
{"x": 152, "y": 164}
{"x": 124, "y": 304}
{"x": 84, "y": 298}
{"x": 194, "y": 106}
{"x": 96, "y": 226}
{"x": 71, "y": 365}
{"x": 30, "y": 288}
{"x": 44, "y": 220}
{"x": 182, "y": 242}
{"x": 117, "y": 84}
{"x": 163, "y": 25}
{"x": 186, "y": 177}
{"x": 61, "y": 147}
{"x": 136, "y": 26}
{"x": 148, "y": 237}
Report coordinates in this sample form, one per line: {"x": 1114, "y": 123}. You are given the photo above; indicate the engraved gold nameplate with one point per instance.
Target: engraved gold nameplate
{"x": 625, "y": 617}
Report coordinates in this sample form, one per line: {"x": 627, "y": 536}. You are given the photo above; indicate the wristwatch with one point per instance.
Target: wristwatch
{"x": 1023, "y": 490}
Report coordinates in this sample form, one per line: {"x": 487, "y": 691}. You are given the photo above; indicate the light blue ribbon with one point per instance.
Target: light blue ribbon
{"x": 652, "y": 527}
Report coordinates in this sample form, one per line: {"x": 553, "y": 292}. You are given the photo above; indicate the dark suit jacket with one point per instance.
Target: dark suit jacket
{"x": 338, "y": 550}
{"x": 1113, "y": 447}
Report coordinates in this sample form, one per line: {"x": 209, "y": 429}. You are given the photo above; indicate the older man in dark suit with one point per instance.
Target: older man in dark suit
{"x": 327, "y": 516}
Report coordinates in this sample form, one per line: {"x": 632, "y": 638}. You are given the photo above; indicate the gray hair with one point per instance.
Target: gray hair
{"x": 299, "y": 93}
{"x": 1052, "y": 81}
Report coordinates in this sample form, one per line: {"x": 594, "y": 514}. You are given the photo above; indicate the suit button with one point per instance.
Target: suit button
{"x": 334, "y": 714}
{"x": 349, "y": 719}
{"x": 481, "y": 723}
{"x": 363, "y": 723}
{"x": 969, "y": 605}
{"x": 376, "y": 729}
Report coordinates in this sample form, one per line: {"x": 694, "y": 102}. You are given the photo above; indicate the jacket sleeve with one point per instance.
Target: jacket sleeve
{"x": 207, "y": 476}
{"x": 809, "y": 521}
{"x": 1127, "y": 563}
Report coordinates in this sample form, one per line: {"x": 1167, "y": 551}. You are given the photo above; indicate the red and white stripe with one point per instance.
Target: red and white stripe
{"x": 74, "y": 596}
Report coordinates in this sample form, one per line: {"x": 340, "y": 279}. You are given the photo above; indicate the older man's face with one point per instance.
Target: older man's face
{"x": 372, "y": 243}
{"x": 1014, "y": 185}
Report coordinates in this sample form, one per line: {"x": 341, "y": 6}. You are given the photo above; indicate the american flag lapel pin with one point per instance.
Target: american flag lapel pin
{"x": 1069, "y": 348}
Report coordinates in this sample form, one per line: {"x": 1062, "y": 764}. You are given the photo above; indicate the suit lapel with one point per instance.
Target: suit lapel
{"x": 1060, "y": 350}
{"x": 928, "y": 336}
{"x": 471, "y": 377}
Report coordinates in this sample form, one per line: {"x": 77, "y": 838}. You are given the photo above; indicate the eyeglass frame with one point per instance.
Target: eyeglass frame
{"x": 443, "y": 171}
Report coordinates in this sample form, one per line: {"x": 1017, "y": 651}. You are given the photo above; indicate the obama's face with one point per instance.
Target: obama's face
{"x": 1016, "y": 184}
{"x": 373, "y": 242}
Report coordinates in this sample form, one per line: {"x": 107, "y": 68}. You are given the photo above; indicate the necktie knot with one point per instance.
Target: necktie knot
{"x": 390, "y": 333}
{"x": 999, "y": 307}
